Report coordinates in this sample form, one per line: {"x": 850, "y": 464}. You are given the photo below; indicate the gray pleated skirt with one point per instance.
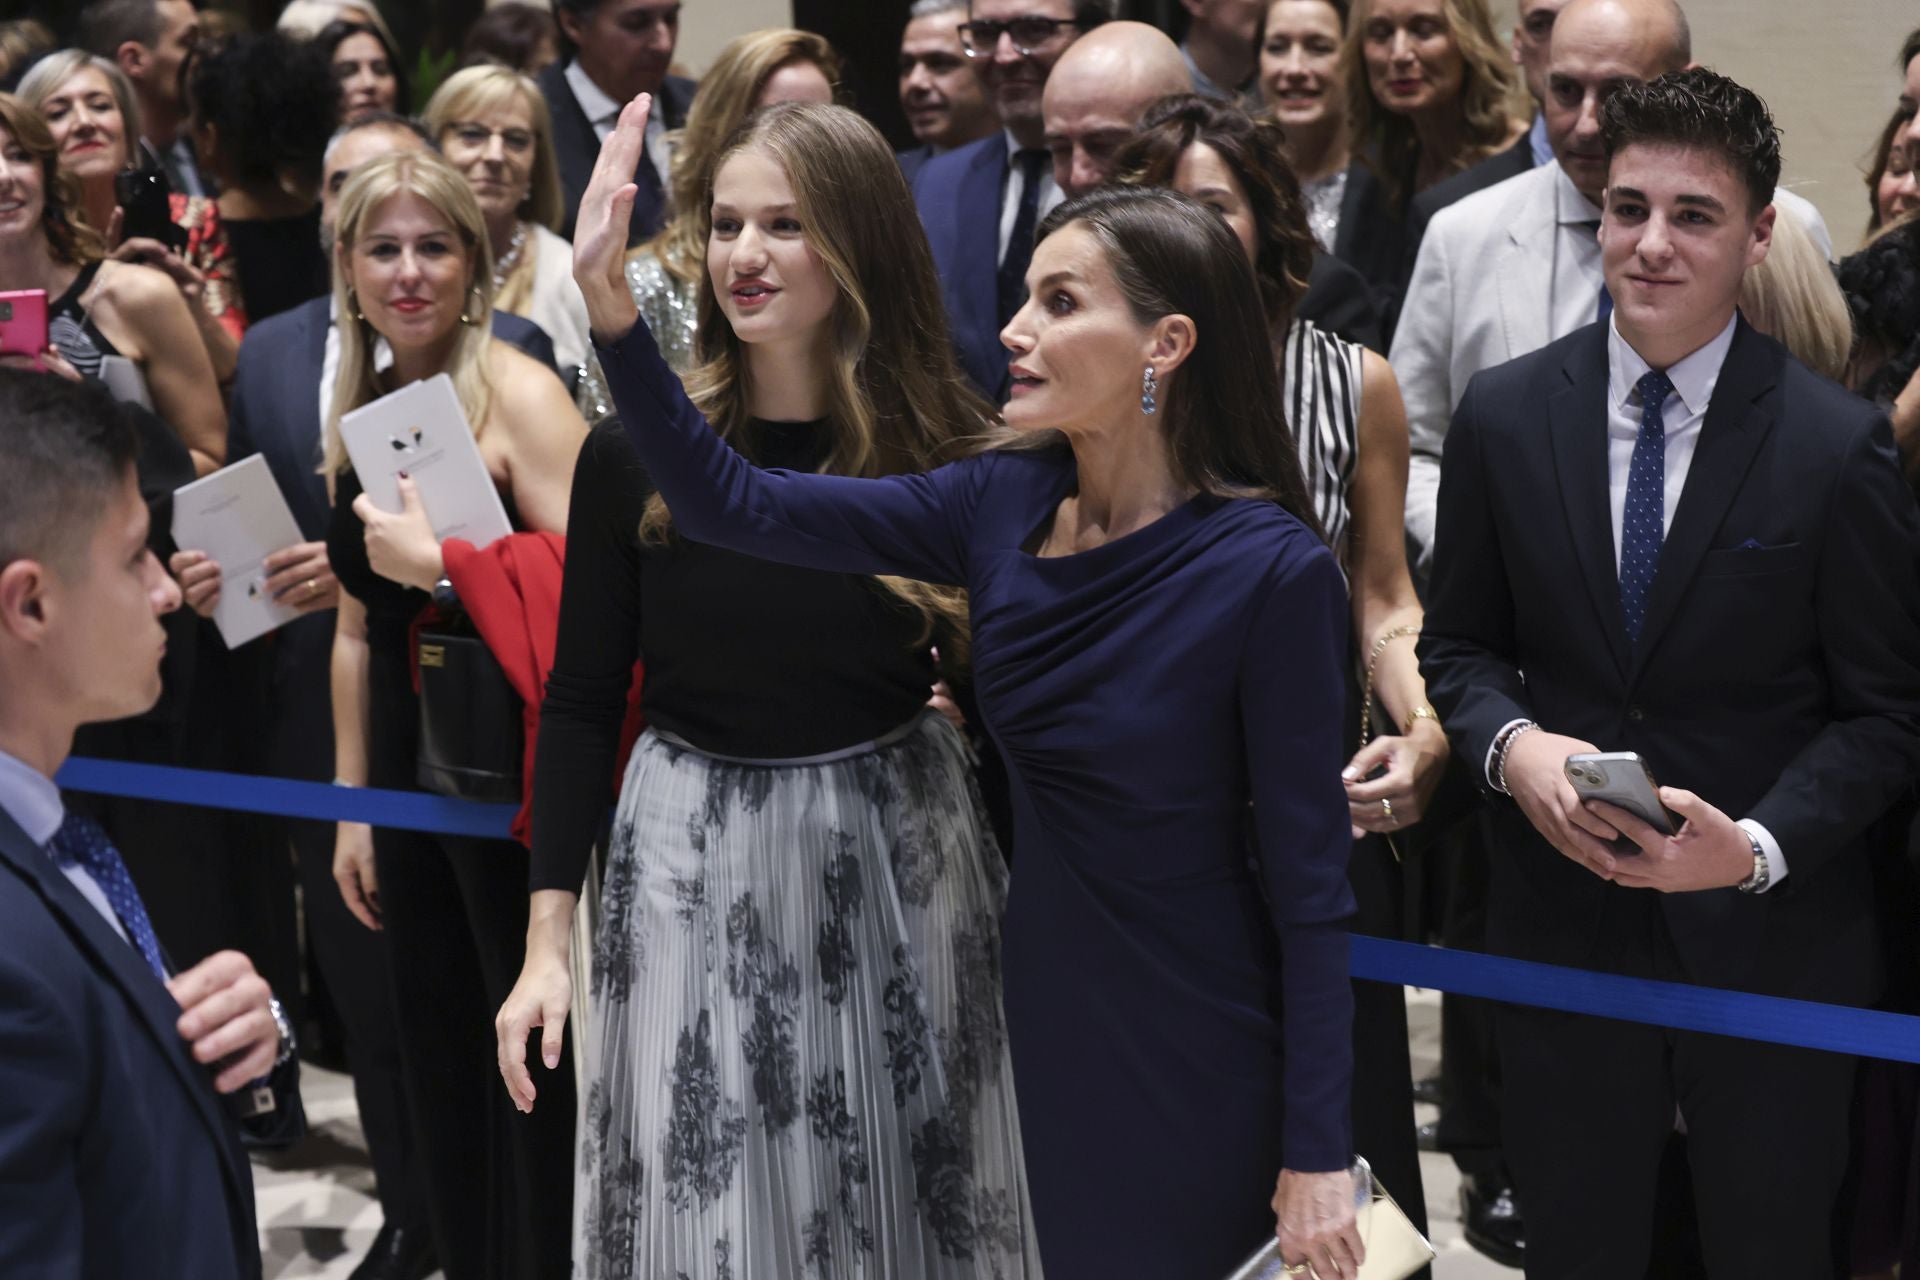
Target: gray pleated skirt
{"x": 799, "y": 1061}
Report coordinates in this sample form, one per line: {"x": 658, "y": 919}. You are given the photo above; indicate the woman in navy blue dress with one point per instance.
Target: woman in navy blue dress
{"x": 1159, "y": 633}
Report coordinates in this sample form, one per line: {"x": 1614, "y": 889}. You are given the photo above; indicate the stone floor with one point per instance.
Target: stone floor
{"x": 317, "y": 1215}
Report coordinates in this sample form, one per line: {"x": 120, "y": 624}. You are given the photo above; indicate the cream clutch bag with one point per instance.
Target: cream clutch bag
{"x": 1395, "y": 1247}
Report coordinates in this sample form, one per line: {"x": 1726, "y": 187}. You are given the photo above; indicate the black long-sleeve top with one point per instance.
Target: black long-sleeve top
{"x": 742, "y": 657}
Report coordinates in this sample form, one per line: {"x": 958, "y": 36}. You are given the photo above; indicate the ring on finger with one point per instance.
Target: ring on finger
{"x": 313, "y": 587}
{"x": 1386, "y": 809}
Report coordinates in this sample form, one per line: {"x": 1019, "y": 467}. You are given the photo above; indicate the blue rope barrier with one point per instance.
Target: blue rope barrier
{"x": 1838, "y": 1028}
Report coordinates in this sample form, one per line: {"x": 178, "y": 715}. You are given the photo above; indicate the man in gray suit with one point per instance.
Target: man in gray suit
{"x": 1510, "y": 269}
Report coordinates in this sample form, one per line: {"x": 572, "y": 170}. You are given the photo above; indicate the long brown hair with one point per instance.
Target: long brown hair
{"x": 895, "y": 399}
{"x": 1253, "y": 150}
{"x": 1222, "y": 411}
{"x": 70, "y": 239}
{"x": 726, "y": 98}
{"x": 1488, "y": 88}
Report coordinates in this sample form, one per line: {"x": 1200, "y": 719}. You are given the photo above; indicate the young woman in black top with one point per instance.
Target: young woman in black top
{"x": 797, "y": 1051}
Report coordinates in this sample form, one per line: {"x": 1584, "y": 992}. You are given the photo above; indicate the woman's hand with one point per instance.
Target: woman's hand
{"x": 541, "y": 998}
{"x": 1414, "y": 764}
{"x": 301, "y": 576}
{"x": 191, "y": 280}
{"x": 401, "y": 548}
{"x": 600, "y": 229}
{"x": 199, "y": 577}
{"x": 1314, "y": 1214}
{"x": 353, "y": 872}
{"x": 48, "y": 361}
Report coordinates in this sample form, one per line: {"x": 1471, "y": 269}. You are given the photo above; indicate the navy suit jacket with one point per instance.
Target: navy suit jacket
{"x": 1777, "y": 674}
{"x": 117, "y": 1158}
{"x": 958, "y": 193}
{"x": 275, "y": 412}
{"x": 913, "y": 160}
{"x": 576, "y": 146}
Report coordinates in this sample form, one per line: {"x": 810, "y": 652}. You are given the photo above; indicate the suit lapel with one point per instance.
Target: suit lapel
{"x": 1524, "y": 275}
{"x": 1736, "y": 426}
{"x": 1577, "y": 423}
{"x": 121, "y": 966}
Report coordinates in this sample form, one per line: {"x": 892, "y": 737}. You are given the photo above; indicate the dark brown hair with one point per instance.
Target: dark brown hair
{"x": 1252, "y": 149}
{"x": 70, "y": 239}
{"x": 1222, "y": 411}
{"x": 1882, "y": 157}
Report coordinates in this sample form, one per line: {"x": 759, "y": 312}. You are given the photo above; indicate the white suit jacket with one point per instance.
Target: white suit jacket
{"x": 1479, "y": 297}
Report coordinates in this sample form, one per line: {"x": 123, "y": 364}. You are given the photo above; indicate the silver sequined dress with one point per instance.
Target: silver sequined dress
{"x": 669, "y": 306}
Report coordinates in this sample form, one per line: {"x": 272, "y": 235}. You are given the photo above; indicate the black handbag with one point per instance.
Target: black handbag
{"x": 472, "y": 734}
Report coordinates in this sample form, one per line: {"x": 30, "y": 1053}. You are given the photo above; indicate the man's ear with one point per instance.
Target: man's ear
{"x": 1762, "y": 236}
{"x": 24, "y": 608}
{"x": 132, "y": 57}
{"x": 570, "y": 24}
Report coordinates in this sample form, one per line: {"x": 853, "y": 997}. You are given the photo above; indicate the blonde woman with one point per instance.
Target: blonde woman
{"x": 753, "y": 71}
{"x": 799, "y": 1056}
{"x": 492, "y": 125}
{"x": 412, "y": 268}
{"x": 1792, "y": 296}
{"x": 1430, "y": 90}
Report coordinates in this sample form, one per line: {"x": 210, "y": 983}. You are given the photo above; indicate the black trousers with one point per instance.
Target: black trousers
{"x": 1469, "y": 1064}
{"x": 1590, "y": 1106}
{"x": 1383, "y": 1124}
{"x": 499, "y": 1184}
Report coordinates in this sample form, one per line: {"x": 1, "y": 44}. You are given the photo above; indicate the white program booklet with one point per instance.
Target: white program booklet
{"x": 239, "y": 518}
{"x": 422, "y": 430}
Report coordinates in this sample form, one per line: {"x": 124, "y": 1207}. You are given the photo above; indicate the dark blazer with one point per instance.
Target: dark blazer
{"x": 275, "y": 411}
{"x": 912, "y": 160}
{"x": 958, "y": 193}
{"x": 1778, "y": 669}
{"x": 1371, "y": 240}
{"x": 576, "y": 146}
{"x": 1339, "y": 300}
{"x": 1492, "y": 171}
{"x": 117, "y": 1158}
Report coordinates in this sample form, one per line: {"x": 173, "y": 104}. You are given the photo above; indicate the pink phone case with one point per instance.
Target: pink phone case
{"x": 23, "y": 322}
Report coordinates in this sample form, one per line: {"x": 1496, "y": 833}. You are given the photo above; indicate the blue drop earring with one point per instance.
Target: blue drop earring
{"x": 1148, "y": 385}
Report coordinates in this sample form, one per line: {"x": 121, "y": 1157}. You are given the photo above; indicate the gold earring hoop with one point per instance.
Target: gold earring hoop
{"x": 473, "y": 291}
{"x": 353, "y": 304}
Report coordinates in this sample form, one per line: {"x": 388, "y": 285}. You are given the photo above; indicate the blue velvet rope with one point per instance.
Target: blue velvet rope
{"x": 1838, "y": 1028}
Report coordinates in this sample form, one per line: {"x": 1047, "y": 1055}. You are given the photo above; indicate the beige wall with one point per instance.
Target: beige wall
{"x": 706, "y": 25}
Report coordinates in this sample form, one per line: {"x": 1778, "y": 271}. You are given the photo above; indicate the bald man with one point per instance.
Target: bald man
{"x": 1097, "y": 93}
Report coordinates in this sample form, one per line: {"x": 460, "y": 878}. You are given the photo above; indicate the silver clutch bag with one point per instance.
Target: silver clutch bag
{"x": 1395, "y": 1247}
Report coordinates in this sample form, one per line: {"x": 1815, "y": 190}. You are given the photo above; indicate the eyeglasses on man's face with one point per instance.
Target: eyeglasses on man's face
{"x": 981, "y": 36}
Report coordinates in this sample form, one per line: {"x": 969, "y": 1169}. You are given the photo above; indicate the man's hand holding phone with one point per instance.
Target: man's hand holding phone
{"x": 1537, "y": 780}
{"x": 1710, "y": 851}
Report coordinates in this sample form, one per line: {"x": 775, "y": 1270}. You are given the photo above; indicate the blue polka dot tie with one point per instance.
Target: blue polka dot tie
{"x": 1641, "y": 529}
{"x": 80, "y": 842}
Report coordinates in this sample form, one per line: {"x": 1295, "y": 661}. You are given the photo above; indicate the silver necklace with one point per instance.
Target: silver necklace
{"x": 503, "y": 265}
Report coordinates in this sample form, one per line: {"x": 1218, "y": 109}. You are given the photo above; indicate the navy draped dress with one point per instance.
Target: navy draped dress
{"x": 1170, "y": 705}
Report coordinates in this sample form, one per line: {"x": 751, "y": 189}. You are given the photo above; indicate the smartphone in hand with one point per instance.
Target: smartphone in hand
{"x": 146, "y": 207}
{"x": 1622, "y": 779}
{"x": 23, "y": 323}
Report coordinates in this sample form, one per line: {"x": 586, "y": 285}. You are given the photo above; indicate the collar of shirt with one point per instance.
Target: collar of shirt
{"x": 1569, "y": 206}
{"x": 595, "y": 101}
{"x": 31, "y": 799}
{"x": 1693, "y": 376}
{"x": 1537, "y": 140}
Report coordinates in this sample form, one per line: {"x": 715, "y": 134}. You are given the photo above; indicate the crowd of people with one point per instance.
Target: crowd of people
{"x": 983, "y": 625}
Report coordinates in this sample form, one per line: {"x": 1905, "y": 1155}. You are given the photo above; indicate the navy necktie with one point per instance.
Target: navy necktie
{"x": 1013, "y": 267}
{"x": 80, "y": 842}
{"x": 1642, "y": 527}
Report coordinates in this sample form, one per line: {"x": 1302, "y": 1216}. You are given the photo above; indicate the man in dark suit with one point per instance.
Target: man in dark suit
{"x": 981, "y": 203}
{"x": 617, "y": 50}
{"x": 1665, "y": 535}
{"x": 283, "y": 375}
{"x": 120, "y": 1080}
{"x": 945, "y": 103}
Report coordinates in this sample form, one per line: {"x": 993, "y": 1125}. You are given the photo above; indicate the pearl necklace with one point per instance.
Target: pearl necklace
{"x": 503, "y": 265}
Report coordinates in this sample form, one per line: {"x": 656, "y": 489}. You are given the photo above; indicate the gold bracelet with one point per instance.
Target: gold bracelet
{"x": 1422, "y": 712}
{"x": 1366, "y": 687}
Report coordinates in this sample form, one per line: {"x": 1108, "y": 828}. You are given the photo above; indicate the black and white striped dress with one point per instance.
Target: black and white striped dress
{"x": 1320, "y": 378}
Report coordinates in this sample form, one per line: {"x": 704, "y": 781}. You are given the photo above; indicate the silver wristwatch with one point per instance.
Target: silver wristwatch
{"x": 285, "y": 1028}
{"x": 1762, "y": 869}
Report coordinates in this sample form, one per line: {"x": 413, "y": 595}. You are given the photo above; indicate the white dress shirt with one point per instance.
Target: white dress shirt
{"x": 1051, "y": 196}
{"x": 33, "y": 801}
{"x": 1693, "y": 377}
{"x": 603, "y": 112}
{"x": 1577, "y": 273}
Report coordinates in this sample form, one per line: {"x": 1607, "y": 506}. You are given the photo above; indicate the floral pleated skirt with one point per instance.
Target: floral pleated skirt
{"x": 799, "y": 1063}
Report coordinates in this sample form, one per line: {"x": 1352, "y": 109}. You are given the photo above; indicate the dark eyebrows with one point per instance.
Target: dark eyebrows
{"x": 1696, "y": 201}
{"x": 1053, "y": 278}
